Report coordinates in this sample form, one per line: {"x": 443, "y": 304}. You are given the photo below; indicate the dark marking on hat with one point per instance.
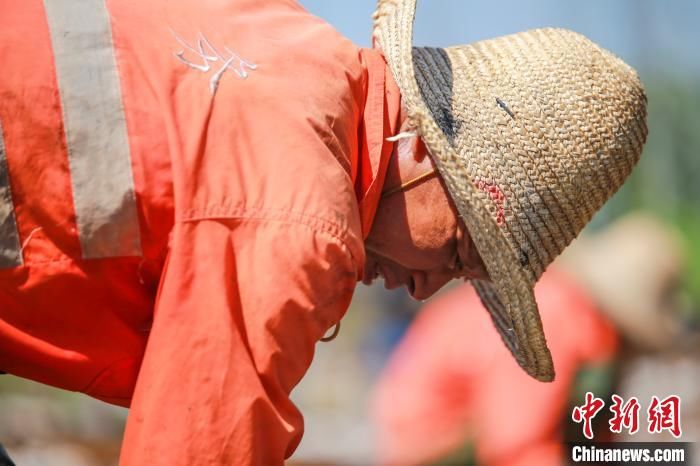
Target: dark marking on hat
{"x": 505, "y": 107}
{"x": 433, "y": 69}
{"x": 524, "y": 258}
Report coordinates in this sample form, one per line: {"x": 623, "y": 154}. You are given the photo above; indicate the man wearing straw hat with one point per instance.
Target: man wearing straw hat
{"x": 190, "y": 192}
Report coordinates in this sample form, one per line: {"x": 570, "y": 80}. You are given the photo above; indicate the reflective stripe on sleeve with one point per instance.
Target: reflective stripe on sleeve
{"x": 10, "y": 249}
{"x": 95, "y": 127}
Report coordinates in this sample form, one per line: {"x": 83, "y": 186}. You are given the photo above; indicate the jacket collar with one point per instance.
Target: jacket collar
{"x": 379, "y": 121}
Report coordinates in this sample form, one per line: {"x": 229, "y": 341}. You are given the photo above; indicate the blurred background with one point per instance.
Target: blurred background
{"x": 628, "y": 325}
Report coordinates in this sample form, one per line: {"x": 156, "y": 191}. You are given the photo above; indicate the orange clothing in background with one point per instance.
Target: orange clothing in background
{"x": 184, "y": 192}
{"x": 452, "y": 381}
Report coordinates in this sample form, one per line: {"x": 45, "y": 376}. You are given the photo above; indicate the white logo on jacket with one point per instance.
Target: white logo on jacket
{"x": 209, "y": 54}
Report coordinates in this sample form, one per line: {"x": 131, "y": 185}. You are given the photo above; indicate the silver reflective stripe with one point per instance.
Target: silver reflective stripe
{"x": 10, "y": 249}
{"x": 93, "y": 115}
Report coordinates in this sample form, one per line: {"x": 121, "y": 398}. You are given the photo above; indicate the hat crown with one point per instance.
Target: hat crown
{"x": 547, "y": 124}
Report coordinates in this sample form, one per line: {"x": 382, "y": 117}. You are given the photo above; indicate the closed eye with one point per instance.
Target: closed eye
{"x": 457, "y": 265}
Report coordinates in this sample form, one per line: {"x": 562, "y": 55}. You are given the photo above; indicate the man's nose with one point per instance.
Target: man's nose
{"x": 428, "y": 283}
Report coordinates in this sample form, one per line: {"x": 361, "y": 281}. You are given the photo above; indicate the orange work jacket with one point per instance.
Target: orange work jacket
{"x": 185, "y": 187}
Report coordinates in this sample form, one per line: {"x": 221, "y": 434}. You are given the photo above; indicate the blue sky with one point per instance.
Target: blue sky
{"x": 657, "y": 37}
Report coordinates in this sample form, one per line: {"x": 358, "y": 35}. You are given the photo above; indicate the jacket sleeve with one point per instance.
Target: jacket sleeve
{"x": 240, "y": 308}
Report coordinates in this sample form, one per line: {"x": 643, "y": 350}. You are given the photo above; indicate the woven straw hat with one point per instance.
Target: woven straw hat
{"x": 531, "y": 134}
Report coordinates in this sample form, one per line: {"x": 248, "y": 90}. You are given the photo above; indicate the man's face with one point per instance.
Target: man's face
{"x": 417, "y": 239}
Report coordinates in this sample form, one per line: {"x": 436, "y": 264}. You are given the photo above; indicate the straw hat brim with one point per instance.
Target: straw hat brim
{"x": 509, "y": 296}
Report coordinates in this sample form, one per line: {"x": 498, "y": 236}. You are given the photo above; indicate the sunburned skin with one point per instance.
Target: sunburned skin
{"x": 417, "y": 238}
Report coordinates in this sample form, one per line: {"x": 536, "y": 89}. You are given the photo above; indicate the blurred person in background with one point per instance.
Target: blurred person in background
{"x": 637, "y": 270}
{"x": 451, "y": 395}
{"x": 181, "y": 224}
